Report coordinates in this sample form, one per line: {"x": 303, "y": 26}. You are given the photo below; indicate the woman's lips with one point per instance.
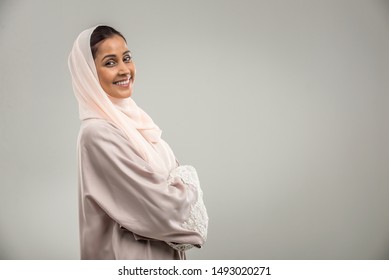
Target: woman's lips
{"x": 123, "y": 83}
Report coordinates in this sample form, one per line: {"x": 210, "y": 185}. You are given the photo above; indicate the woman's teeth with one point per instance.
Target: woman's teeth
{"x": 122, "y": 83}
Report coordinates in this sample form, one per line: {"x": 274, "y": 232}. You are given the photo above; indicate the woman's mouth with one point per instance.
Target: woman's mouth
{"x": 123, "y": 83}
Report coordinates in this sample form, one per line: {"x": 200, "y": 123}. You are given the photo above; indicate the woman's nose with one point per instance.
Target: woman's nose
{"x": 124, "y": 69}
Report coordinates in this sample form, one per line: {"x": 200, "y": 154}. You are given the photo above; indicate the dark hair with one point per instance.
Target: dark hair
{"x": 101, "y": 33}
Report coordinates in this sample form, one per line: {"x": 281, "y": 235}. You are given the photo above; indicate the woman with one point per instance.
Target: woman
{"x": 135, "y": 200}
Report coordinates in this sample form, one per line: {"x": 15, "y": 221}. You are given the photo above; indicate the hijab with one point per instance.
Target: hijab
{"x": 94, "y": 102}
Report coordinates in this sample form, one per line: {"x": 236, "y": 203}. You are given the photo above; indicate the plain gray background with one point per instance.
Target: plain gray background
{"x": 282, "y": 106}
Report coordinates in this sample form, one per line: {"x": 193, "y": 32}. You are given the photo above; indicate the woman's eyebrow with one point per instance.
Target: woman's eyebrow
{"x": 108, "y": 55}
{"x": 113, "y": 55}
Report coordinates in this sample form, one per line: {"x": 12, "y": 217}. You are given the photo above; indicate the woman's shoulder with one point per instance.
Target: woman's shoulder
{"x": 92, "y": 130}
{"x": 100, "y": 134}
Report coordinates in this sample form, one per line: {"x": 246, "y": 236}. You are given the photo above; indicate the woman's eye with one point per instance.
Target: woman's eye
{"x": 110, "y": 63}
{"x": 127, "y": 58}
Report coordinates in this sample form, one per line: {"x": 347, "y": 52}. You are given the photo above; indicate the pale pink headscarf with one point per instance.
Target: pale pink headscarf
{"x": 94, "y": 102}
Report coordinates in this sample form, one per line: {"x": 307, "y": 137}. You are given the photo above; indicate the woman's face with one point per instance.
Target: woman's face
{"x": 115, "y": 69}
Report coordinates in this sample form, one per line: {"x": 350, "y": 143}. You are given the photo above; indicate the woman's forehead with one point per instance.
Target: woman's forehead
{"x": 112, "y": 45}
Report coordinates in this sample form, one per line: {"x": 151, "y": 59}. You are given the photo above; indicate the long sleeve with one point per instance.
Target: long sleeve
{"x": 119, "y": 185}
{"x": 198, "y": 217}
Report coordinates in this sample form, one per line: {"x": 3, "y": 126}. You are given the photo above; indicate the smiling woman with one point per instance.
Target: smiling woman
{"x": 114, "y": 65}
{"x": 135, "y": 200}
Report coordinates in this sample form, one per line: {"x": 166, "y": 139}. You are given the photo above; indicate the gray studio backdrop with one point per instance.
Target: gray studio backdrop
{"x": 282, "y": 106}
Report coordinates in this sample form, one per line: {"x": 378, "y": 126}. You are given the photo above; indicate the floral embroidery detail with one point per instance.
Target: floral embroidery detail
{"x": 180, "y": 247}
{"x": 198, "y": 217}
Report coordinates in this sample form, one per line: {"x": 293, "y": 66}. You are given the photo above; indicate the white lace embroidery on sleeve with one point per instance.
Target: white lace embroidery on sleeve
{"x": 198, "y": 217}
